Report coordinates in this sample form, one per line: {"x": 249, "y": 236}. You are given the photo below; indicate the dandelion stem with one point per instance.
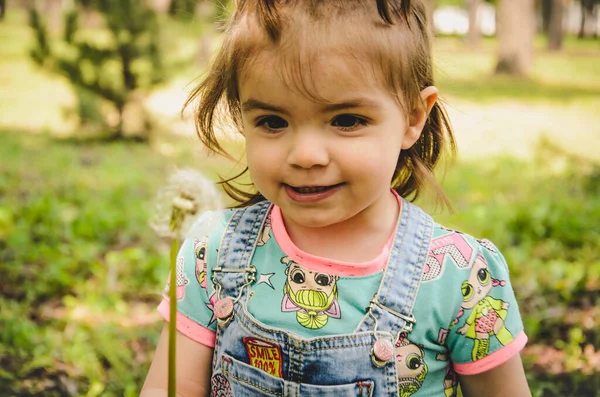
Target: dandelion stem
{"x": 186, "y": 194}
{"x": 172, "y": 316}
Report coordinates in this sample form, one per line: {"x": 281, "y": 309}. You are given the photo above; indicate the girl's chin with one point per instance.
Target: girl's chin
{"x": 314, "y": 218}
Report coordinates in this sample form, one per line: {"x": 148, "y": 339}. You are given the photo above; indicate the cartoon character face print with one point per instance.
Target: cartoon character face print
{"x": 312, "y": 295}
{"x": 487, "y": 313}
{"x": 410, "y": 366}
{"x": 478, "y": 285}
{"x": 181, "y": 280}
{"x": 201, "y": 252}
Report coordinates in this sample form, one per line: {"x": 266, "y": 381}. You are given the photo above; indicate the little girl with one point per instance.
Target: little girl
{"x": 327, "y": 281}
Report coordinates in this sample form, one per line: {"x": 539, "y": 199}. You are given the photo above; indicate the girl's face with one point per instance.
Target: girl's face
{"x": 323, "y": 162}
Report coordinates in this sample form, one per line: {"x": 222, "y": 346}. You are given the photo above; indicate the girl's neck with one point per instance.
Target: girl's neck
{"x": 357, "y": 239}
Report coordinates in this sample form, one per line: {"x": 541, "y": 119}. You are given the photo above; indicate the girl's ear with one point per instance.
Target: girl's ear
{"x": 418, "y": 116}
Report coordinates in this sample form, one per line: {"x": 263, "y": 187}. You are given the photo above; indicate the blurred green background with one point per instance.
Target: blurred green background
{"x": 84, "y": 149}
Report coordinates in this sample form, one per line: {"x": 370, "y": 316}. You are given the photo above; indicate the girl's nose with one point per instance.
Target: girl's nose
{"x": 308, "y": 149}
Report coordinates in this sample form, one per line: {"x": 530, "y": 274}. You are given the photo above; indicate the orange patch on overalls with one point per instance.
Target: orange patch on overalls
{"x": 265, "y": 356}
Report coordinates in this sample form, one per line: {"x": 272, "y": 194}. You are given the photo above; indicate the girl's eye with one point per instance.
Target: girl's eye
{"x": 272, "y": 123}
{"x": 348, "y": 122}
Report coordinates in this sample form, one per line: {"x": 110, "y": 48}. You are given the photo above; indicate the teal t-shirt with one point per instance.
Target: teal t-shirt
{"x": 467, "y": 318}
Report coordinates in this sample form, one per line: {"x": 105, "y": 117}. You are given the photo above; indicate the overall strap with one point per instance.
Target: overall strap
{"x": 233, "y": 271}
{"x": 391, "y": 307}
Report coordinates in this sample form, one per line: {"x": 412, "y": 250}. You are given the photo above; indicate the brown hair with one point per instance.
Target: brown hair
{"x": 389, "y": 36}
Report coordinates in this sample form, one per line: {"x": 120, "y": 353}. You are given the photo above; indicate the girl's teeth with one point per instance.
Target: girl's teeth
{"x": 311, "y": 189}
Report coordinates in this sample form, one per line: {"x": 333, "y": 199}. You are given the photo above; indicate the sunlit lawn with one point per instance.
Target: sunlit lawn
{"x": 498, "y": 114}
{"x": 557, "y": 78}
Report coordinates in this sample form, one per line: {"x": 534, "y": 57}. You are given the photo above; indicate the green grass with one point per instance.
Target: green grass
{"x": 75, "y": 247}
{"x": 81, "y": 269}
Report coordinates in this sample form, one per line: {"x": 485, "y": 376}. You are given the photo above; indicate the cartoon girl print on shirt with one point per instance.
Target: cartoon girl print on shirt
{"x": 181, "y": 280}
{"x": 312, "y": 295}
{"x": 411, "y": 368}
{"x": 487, "y": 314}
{"x": 451, "y": 378}
{"x": 200, "y": 253}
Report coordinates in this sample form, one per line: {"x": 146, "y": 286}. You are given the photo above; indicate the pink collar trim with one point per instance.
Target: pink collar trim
{"x": 325, "y": 265}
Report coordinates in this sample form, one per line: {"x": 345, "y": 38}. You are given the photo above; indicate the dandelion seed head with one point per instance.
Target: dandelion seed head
{"x": 186, "y": 195}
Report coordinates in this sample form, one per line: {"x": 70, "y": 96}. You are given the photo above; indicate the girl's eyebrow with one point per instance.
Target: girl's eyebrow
{"x": 353, "y": 103}
{"x": 254, "y": 104}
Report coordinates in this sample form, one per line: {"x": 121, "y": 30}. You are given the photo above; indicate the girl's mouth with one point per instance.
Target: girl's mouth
{"x": 308, "y": 194}
{"x": 311, "y": 189}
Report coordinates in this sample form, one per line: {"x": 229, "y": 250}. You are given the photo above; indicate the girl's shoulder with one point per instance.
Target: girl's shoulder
{"x": 211, "y": 225}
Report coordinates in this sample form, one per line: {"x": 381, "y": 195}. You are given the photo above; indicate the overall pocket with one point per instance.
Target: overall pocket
{"x": 248, "y": 381}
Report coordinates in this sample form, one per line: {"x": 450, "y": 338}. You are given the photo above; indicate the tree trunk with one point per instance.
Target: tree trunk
{"x": 53, "y": 9}
{"x": 27, "y": 4}
{"x": 555, "y": 28}
{"x": 205, "y": 12}
{"x": 582, "y": 23}
{"x": 515, "y": 32}
{"x": 546, "y": 6}
{"x": 474, "y": 36}
{"x": 588, "y": 10}
{"x": 159, "y": 6}
{"x": 2, "y": 8}
{"x": 594, "y": 25}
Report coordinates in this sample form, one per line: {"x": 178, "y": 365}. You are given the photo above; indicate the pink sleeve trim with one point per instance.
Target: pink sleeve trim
{"x": 188, "y": 327}
{"x": 493, "y": 360}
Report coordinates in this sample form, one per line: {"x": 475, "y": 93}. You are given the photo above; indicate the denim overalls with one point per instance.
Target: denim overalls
{"x": 357, "y": 364}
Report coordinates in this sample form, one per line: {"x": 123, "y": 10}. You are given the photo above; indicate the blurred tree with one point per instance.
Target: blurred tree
{"x": 27, "y": 4}
{"x": 555, "y": 25}
{"x": 185, "y": 9}
{"x": 589, "y": 11}
{"x": 474, "y": 35}
{"x": 116, "y": 62}
{"x": 160, "y": 6}
{"x": 545, "y": 10}
{"x": 2, "y": 8}
{"x": 215, "y": 13}
{"x": 515, "y": 33}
